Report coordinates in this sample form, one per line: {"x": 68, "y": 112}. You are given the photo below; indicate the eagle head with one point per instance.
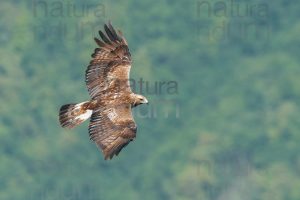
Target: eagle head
{"x": 139, "y": 99}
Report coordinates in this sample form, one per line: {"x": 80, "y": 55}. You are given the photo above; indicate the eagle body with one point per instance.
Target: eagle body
{"x": 111, "y": 126}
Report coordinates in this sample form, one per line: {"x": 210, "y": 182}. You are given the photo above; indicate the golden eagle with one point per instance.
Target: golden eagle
{"x": 111, "y": 126}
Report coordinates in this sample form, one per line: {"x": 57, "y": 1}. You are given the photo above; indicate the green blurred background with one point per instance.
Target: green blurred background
{"x": 229, "y": 131}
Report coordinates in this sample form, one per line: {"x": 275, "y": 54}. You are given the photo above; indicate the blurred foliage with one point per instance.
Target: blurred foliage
{"x": 230, "y": 132}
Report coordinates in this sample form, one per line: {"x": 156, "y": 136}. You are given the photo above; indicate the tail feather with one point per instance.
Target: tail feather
{"x": 71, "y": 115}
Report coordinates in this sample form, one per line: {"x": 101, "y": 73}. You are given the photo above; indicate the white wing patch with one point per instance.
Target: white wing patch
{"x": 84, "y": 116}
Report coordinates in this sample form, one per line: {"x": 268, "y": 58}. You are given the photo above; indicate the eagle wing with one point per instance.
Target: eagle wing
{"x": 110, "y": 67}
{"x": 112, "y": 128}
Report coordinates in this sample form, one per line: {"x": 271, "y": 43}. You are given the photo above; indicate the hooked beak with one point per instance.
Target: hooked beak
{"x": 146, "y": 102}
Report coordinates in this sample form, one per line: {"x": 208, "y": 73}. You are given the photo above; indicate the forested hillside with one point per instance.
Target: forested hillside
{"x": 222, "y": 78}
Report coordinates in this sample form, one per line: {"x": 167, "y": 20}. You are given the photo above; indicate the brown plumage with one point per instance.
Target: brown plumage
{"x": 112, "y": 126}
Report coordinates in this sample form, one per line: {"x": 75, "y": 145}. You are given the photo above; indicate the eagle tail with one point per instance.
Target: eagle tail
{"x": 71, "y": 115}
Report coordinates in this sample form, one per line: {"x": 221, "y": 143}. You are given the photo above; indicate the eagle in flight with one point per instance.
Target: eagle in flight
{"x": 111, "y": 126}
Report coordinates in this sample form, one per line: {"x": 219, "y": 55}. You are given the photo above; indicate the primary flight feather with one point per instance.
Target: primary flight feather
{"x": 111, "y": 126}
